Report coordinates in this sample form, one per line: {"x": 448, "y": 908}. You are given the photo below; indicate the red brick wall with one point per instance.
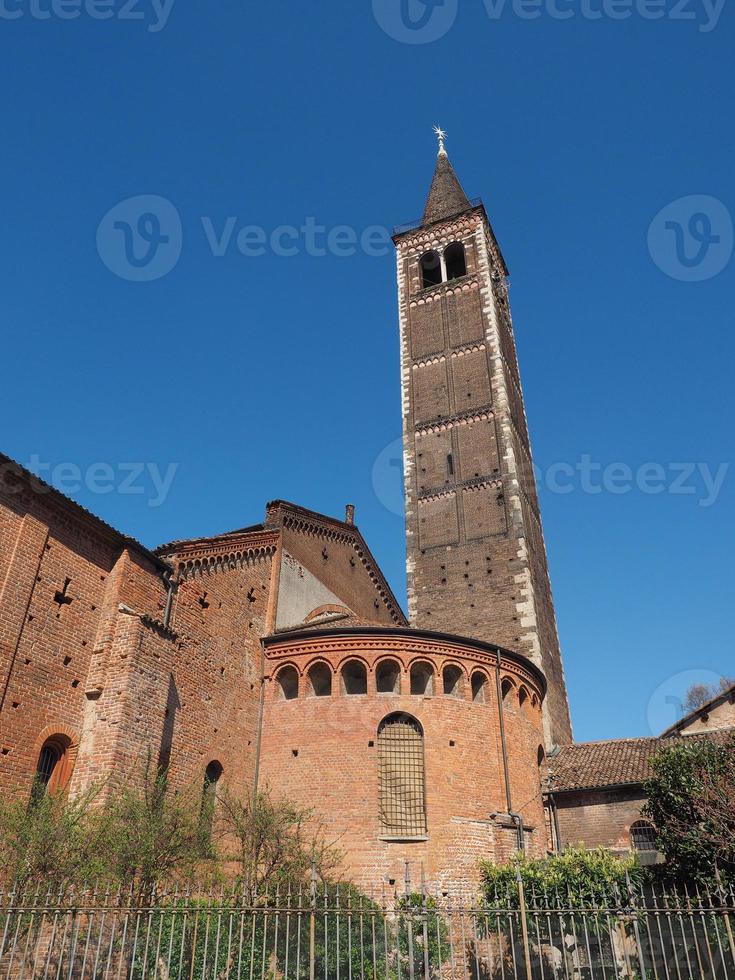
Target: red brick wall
{"x": 319, "y": 752}
{"x": 599, "y": 818}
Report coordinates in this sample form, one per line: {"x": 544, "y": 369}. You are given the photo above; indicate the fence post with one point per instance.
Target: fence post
{"x": 726, "y": 914}
{"x": 636, "y": 929}
{"x": 425, "y": 917}
{"x": 409, "y": 913}
{"x": 312, "y": 924}
{"x": 524, "y": 923}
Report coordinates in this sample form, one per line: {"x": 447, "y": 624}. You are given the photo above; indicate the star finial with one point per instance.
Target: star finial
{"x": 441, "y": 136}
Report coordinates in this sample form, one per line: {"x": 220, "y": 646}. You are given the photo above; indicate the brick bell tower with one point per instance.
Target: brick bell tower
{"x": 476, "y": 558}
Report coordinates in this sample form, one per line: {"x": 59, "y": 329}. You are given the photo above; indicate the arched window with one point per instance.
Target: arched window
{"x": 401, "y": 777}
{"x": 505, "y": 688}
{"x": 431, "y": 269}
{"x": 287, "y": 684}
{"x": 452, "y": 680}
{"x": 479, "y": 687}
{"x": 643, "y": 836}
{"x": 53, "y": 769}
{"x": 455, "y": 260}
{"x": 354, "y": 678}
{"x": 540, "y": 756}
{"x": 320, "y": 681}
{"x": 209, "y": 797}
{"x": 523, "y": 698}
{"x": 422, "y": 679}
{"x": 388, "y": 677}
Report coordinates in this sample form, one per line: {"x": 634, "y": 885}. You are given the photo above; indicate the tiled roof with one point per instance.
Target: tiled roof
{"x": 593, "y": 765}
{"x": 617, "y": 762}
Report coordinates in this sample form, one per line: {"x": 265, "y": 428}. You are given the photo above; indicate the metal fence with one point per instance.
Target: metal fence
{"x": 336, "y": 933}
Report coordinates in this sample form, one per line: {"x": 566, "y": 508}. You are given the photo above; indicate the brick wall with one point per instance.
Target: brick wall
{"x": 599, "y": 818}
{"x": 322, "y": 751}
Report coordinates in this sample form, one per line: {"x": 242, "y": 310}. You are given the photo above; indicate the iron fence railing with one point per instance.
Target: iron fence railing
{"x": 337, "y": 933}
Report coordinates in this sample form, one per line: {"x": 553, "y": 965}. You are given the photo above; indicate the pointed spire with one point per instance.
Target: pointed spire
{"x": 446, "y": 196}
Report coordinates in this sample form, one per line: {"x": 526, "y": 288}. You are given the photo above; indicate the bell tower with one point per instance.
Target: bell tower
{"x": 476, "y": 558}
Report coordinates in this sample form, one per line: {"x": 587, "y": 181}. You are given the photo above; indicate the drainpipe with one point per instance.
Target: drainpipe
{"x": 555, "y": 816}
{"x": 515, "y": 817}
{"x": 168, "y": 581}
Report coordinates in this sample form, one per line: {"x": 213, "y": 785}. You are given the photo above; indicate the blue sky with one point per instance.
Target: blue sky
{"x": 270, "y": 375}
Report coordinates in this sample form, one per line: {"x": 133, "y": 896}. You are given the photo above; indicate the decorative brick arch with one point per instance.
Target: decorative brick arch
{"x": 330, "y": 608}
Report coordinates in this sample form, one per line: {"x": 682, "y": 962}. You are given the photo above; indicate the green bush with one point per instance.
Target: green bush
{"x": 587, "y": 875}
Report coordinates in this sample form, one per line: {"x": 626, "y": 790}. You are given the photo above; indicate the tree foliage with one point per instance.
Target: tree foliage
{"x": 588, "y": 875}
{"x": 699, "y": 694}
{"x": 143, "y": 832}
{"x": 272, "y": 843}
{"x": 691, "y": 801}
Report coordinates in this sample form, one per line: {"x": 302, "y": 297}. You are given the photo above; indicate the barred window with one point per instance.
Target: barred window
{"x": 401, "y": 777}
{"x": 212, "y": 776}
{"x": 53, "y": 769}
{"x": 643, "y": 836}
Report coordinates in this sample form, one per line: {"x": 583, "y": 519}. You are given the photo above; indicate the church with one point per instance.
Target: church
{"x": 276, "y": 655}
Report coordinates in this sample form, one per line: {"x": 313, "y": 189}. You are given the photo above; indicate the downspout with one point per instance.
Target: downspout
{"x": 515, "y": 817}
{"x": 555, "y": 817}
{"x": 168, "y": 581}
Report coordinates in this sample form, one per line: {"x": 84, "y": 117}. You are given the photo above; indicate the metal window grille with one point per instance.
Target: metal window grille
{"x": 401, "y": 776}
{"x": 47, "y": 762}
{"x": 643, "y": 836}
